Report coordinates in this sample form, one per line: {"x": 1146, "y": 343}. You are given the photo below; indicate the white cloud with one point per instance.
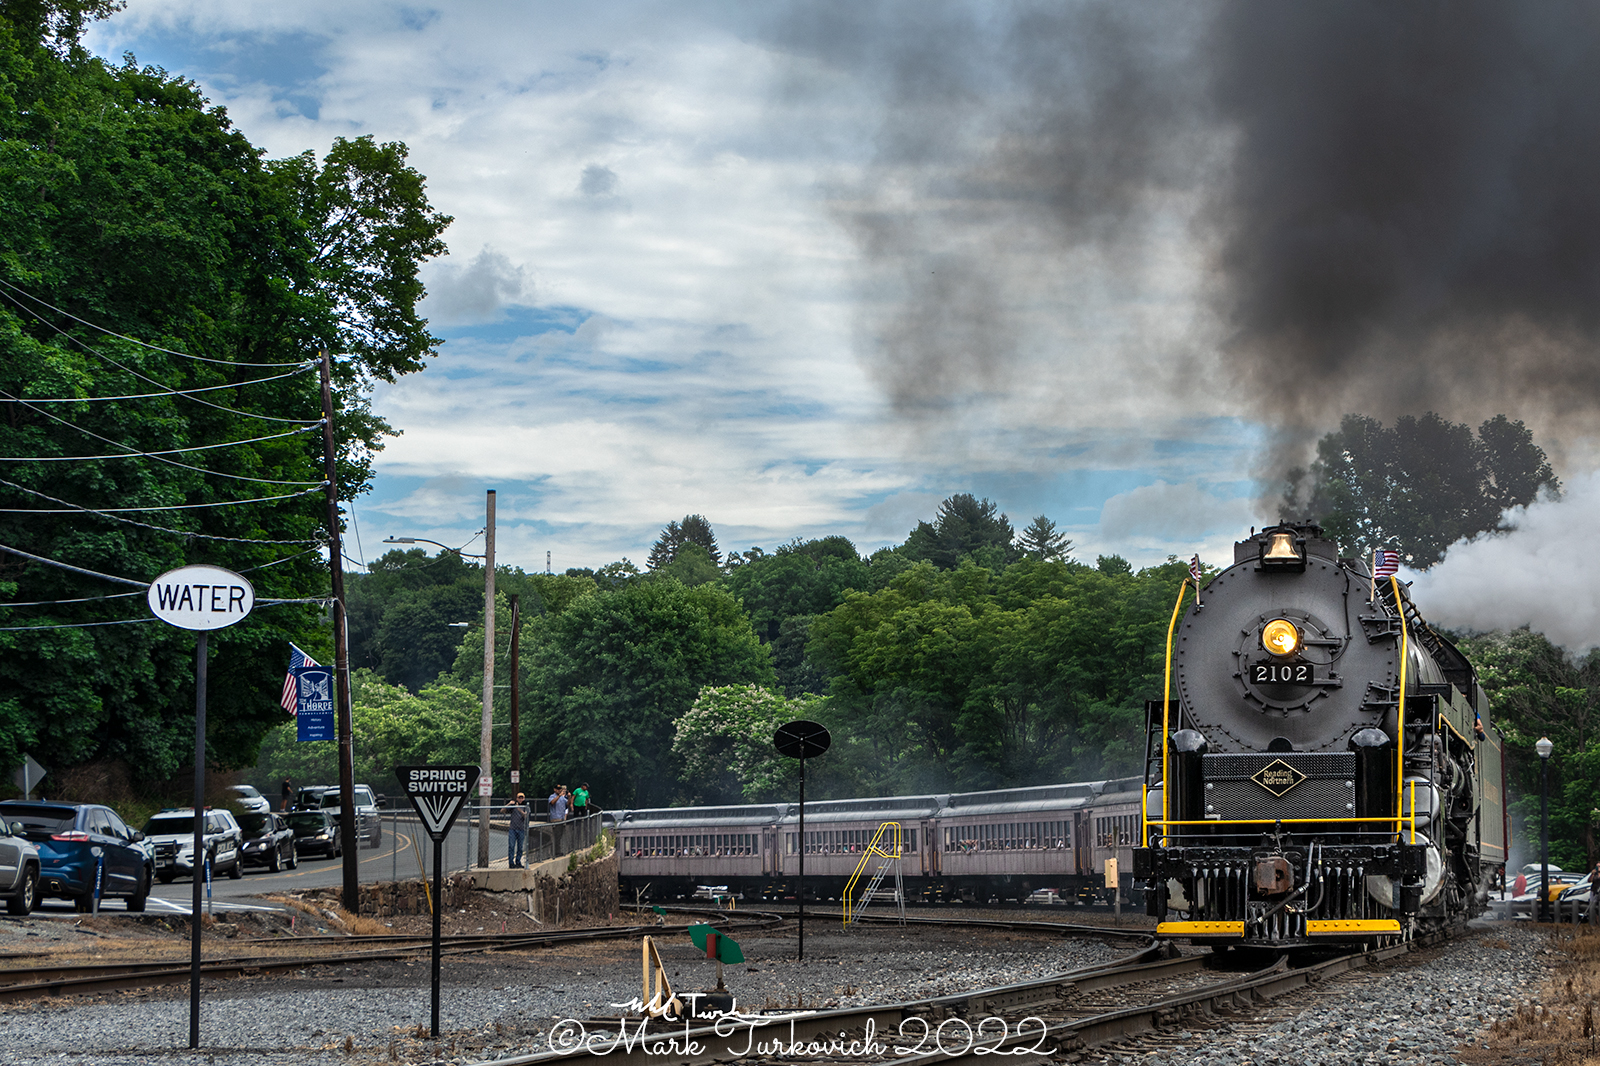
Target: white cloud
{"x": 1172, "y": 513}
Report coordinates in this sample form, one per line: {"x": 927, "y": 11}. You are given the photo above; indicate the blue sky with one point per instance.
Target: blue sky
{"x": 663, "y": 295}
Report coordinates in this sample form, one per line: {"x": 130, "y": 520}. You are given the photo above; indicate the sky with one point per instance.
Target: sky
{"x": 803, "y": 269}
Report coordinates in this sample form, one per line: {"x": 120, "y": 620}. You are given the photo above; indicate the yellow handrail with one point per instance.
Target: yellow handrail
{"x": 1400, "y": 729}
{"x": 872, "y": 849}
{"x": 1166, "y": 706}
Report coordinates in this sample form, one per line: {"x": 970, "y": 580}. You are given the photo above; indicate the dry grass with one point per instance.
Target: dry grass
{"x": 1562, "y": 1026}
{"x": 336, "y": 916}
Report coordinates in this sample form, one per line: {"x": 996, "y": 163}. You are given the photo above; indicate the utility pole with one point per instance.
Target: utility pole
{"x": 341, "y": 656}
{"x": 516, "y": 725}
{"x": 488, "y": 686}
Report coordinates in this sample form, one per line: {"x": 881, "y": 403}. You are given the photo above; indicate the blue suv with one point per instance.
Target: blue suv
{"x": 78, "y": 840}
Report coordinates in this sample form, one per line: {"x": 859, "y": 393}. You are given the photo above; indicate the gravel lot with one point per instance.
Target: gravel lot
{"x": 1418, "y": 1010}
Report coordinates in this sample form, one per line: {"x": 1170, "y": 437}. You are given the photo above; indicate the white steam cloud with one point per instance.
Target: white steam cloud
{"x": 1544, "y": 573}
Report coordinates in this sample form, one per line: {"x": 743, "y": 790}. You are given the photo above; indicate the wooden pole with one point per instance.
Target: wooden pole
{"x": 484, "y": 755}
{"x": 341, "y": 655}
{"x": 199, "y": 837}
{"x": 516, "y": 725}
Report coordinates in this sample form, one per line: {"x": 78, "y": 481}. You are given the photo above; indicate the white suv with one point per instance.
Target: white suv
{"x": 250, "y": 799}
{"x": 369, "y": 826}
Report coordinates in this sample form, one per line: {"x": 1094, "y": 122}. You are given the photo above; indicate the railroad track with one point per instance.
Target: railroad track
{"x": 1060, "y": 1016}
{"x": 33, "y": 981}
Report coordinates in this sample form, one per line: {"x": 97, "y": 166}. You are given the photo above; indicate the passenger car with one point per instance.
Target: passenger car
{"x": 171, "y": 835}
{"x": 249, "y": 798}
{"x": 314, "y": 831}
{"x": 310, "y": 797}
{"x": 78, "y": 841}
{"x": 19, "y": 869}
{"x": 369, "y": 826}
{"x": 268, "y": 841}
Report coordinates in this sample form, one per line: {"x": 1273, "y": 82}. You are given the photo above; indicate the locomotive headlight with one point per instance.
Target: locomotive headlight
{"x": 1280, "y": 637}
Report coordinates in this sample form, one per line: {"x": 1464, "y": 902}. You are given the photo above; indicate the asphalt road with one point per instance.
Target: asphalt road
{"x": 404, "y": 852}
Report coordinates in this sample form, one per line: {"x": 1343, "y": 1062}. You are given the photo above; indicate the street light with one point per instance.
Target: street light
{"x": 1544, "y": 747}
{"x": 425, "y": 540}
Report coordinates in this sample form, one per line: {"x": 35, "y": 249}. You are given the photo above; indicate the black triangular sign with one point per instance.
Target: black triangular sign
{"x": 437, "y": 793}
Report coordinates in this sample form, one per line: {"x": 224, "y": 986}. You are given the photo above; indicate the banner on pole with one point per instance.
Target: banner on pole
{"x": 437, "y": 793}
{"x": 314, "y": 702}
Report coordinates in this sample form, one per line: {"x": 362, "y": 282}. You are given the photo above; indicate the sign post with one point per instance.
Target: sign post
{"x": 802, "y": 740}
{"x": 437, "y": 793}
{"x": 27, "y": 776}
{"x": 201, "y": 598}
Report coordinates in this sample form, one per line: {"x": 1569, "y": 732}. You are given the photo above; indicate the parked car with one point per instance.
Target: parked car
{"x": 249, "y": 798}
{"x": 171, "y": 836}
{"x": 19, "y": 869}
{"x": 268, "y": 841}
{"x": 310, "y": 797}
{"x": 314, "y": 831}
{"x": 78, "y": 843}
{"x": 369, "y": 826}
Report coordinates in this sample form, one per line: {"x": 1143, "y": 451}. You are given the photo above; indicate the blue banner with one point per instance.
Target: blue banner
{"x": 314, "y": 702}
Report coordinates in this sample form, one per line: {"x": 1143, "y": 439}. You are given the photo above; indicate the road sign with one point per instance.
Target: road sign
{"x": 200, "y": 597}
{"x": 28, "y": 775}
{"x": 313, "y": 702}
{"x": 437, "y": 793}
{"x": 802, "y": 740}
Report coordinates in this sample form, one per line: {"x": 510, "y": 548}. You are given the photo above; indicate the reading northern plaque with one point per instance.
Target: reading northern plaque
{"x": 437, "y": 793}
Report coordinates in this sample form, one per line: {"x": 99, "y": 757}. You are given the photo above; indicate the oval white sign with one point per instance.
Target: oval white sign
{"x": 200, "y": 597}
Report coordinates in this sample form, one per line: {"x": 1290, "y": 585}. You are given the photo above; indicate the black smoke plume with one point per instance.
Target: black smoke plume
{"x": 1396, "y": 205}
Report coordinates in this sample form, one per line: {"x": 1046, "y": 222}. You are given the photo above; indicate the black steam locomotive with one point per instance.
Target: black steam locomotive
{"x": 1322, "y": 767}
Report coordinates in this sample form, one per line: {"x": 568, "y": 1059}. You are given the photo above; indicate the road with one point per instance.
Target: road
{"x": 397, "y": 857}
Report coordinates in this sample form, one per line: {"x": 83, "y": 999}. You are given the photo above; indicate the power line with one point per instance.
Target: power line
{"x": 160, "y": 529}
{"x": 169, "y": 392}
{"x": 123, "y": 336}
{"x": 80, "y": 599}
{"x": 74, "y": 569}
{"x": 166, "y": 507}
{"x": 142, "y": 377}
{"x": 134, "y": 453}
{"x": 78, "y": 625}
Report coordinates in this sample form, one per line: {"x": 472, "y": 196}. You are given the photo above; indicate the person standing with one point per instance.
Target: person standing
{"x": 559, "y": 802}
{"x": 516, "y": 831}
{"x": 580, "y": 800}
{"x": 288, "y": 794}
{"x": 1594, "y": 891}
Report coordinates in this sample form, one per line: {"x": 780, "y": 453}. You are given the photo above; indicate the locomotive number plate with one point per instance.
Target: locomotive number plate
{"x": 1270, "y": 673}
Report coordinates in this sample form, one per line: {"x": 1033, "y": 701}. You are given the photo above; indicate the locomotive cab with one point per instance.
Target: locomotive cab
{"x": 1313, "y": 771}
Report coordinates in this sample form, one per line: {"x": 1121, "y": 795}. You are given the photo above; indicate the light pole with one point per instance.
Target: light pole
{"x": 1544, "y": 747}
{"x": 425, "y": 540}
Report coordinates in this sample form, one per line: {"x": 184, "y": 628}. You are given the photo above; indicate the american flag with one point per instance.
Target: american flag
{"x": 1194, "y": 570}
{"x": 296, "y": 658}
{"x": 1385, "y": 563}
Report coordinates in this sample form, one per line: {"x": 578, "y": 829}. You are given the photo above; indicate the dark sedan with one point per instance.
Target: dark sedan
{"x": 268, "y": 841}
{"x": 81, "y": 844}
{"x": 314, "y": 831}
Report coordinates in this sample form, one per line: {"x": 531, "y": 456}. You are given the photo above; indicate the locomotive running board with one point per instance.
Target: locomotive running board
{"x": 1200, "y": 929}
{"x": 1352, "y": 925}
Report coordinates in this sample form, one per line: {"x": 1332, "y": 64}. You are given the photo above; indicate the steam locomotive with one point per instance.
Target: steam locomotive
{"x": 1322, "y": 766}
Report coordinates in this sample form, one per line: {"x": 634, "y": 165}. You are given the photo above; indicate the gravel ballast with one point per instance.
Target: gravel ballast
{"x": 1416, "y": 1010}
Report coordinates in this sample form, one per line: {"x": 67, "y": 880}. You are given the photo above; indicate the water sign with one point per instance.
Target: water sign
{"x": 201, "y": 597}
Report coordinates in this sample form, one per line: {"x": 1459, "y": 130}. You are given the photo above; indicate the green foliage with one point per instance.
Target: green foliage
{"x": 691, "y": 565}
{"x": 725, "y": 743}
{"x": 965, "y": 526}
{"x": 392, "y": 727}
{"x": 1535, "y": 689}
{"x": 694, "y": 530}
{"x": 1419, "y": 487}
{"x": 606, "y": 679}
{"x": 803, "y": 578}
{"x": 1040, "y": 542}
{"x": 969, "y": 679}
{"x": 127, "y": 202}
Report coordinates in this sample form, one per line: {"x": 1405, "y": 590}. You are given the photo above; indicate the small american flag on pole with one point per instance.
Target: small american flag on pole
{"x": 1194, "y": 570}
{"x": 296, "y": 658}
{"x": 1385, "y": 563}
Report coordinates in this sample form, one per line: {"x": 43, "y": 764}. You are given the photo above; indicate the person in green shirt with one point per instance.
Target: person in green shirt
{"x": 580, "y": 800}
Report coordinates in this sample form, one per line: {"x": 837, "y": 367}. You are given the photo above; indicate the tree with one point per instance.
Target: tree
{"x": 131, "y": 209}
{"x": 606, "y": 679}
{"x": 725, "y": 742}
{"x": 1419, "y": 487}
{"x": 1041, "y": 541}
{"x": 964, "y": 526}
{"x": 691, "y": 565}
{"x": 694, "y": 530}
{"x": 801, "y": 578}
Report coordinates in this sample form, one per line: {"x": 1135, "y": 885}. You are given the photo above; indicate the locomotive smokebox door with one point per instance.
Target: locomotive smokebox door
{"x": 1274, "y": 876}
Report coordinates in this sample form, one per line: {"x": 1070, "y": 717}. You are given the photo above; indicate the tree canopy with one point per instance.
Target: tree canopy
{"x": 1419, "y": 487}
{"x": 162, "y": 293}
{"x": 693, "y": 530}
{"x": 965, "y": 526}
